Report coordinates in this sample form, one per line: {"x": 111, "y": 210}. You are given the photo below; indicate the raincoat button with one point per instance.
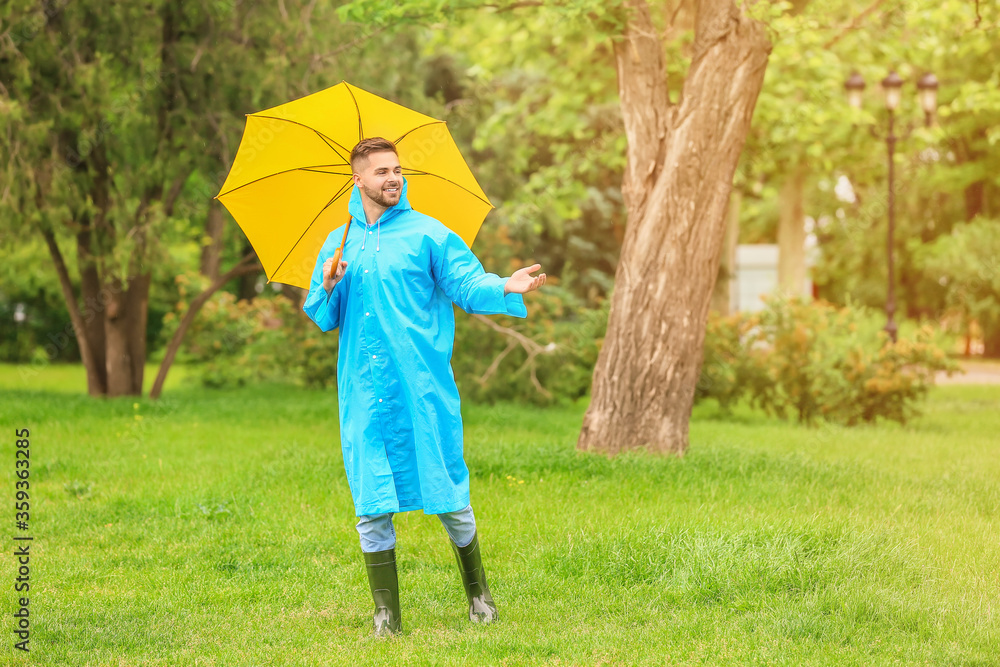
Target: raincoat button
{"x": 367, "y": 314}
{"x": 380, "y": 400}
{"x": 374, "y": 356}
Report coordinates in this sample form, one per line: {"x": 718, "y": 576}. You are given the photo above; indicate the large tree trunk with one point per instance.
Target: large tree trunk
{"x": 792, "y": 234}
{"x": 125, "y": 329}
{"x": 681, "y": 160}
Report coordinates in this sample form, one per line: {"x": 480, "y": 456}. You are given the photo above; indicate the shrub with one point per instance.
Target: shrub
{"x": 817, "y": 361}
{"x": 239, "y": 342}
{"x": 267, "y": 339}
{"x": 491, "y": 366}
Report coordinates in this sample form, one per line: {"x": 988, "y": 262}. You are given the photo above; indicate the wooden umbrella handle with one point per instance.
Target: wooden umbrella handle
{"x": 340, "y": 251}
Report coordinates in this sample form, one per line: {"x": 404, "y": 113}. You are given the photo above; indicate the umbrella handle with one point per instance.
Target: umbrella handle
{"x": 340, "y": 251}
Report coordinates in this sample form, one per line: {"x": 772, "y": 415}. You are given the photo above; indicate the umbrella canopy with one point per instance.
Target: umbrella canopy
{"x": 291, "y": 180}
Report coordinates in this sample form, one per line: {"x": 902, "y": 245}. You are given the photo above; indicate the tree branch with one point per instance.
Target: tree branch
{"x": 531, "y": 347}
{"x": 76, "y": 317}
{"x": 246, "y": 265}
{"x": 645, "y": 101}
{"x": 496, "y": 363}
{"x": 174, "y": 193}
{"x": 853, "y": 25}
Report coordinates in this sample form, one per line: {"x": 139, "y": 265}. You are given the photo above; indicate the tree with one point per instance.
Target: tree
{"x": 98, "y": 135}
{"x": 681, "y": 160}
{"x": 681, "y": 157}
{"x": 117, "y": 127}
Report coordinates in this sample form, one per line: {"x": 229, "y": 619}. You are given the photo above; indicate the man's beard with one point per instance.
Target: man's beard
{"x": 379, "y": 197}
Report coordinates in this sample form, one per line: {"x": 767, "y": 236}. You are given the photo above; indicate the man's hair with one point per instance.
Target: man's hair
{"x": 366, "y": 147}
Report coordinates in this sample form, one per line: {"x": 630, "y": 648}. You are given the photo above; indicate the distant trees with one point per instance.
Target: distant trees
{"x": 118, "y": 125}
{"x": 113, "y": 118}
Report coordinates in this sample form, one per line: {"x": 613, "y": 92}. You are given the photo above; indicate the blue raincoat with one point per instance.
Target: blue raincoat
{"x": 400, "y": 417}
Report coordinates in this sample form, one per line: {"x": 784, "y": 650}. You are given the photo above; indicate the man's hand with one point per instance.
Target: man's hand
{"x": 330, "y": 279}
{"x": 522, "y": 282}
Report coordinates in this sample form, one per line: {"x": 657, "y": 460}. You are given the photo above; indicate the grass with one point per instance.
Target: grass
{"x": 216, "y": 528}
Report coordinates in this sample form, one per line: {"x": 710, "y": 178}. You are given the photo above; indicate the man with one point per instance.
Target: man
{"x": 400, "y": 418}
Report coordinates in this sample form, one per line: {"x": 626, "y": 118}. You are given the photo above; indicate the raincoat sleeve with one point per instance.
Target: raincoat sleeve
{"x": 323, "y": 308}
{"x": 461, "y": 276}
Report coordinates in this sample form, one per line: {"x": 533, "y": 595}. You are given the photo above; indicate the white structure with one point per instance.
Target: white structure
{"x": 756, "y": 275}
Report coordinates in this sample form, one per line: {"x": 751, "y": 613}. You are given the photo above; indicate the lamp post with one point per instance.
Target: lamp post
{"x": 892, "y": 88}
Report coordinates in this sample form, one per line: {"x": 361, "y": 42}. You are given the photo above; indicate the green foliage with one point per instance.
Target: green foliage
{"x": 490, "y": 366}
{"x": 125, "y": 153}
{"x": 967, "y": 263}
{"x": 531, "y": 97}
{"x": 235, "y": 343}
{"x": 239, "y": 342}
{"x": 816, "y": 361}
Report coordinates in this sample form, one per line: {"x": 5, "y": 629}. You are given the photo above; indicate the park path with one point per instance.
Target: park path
{"x": 975, "y": 372}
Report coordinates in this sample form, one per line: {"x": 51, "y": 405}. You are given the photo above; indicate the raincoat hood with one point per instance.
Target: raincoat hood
{"x": 357, "y": 209}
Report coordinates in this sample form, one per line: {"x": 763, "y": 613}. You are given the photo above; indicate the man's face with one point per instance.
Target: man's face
{"x": 380, "y": 178}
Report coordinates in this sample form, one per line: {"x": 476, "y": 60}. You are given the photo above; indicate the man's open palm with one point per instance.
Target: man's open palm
{"x": 522, "y": 282}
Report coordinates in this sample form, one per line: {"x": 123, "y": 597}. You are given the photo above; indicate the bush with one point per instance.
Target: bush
{"x": 967, "y": 263}
{"x": 267, "y": 339}
{"x": 239, "y": 342}
{"x": 491, "y": 366}
{"x": 817, "y": 361}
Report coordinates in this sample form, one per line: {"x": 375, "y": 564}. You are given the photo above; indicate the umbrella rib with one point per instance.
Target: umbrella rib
{"x": 414, "y": 172}
{"x": 314, "y": 168}
{"x": 409, "y": 132}
{"x": 335, "y": 145}
{"x": 361, "y": 128}
{"x": 309, "y": 226}
{"x": 332, "y": 173}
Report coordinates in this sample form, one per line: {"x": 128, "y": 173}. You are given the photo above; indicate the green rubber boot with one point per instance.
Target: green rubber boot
{"x": 384, "y": 583}
{"x": 470, "y": 564}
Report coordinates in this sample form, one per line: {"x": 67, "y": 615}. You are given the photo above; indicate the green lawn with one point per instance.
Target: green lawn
{"x": 216, "y": 528}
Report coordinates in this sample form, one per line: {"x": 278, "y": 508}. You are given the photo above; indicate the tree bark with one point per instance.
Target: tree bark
{"x": 681, "y": 161}
{"x": 245, "y": 266}
{"x": 991, "y": 343}
{"x": 93, "y": 307}
{"x": 96, "y": 383}
{"x": 974, "y": 198}
{"x": 215, "y": 224}
{"x": 247, "y": 288}
{"x": 722, "y": 294}
{"x": 792, "y": 234}
{"x": 125, "y": 329}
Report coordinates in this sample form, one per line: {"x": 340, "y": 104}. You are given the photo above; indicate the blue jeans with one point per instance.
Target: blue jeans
{"x": 377, "y": 533}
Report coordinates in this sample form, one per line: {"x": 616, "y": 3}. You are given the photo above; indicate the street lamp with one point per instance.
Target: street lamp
{"x": 855, "y": 85}
{"x": 892, "y": 88}
{"x": 928, "y": 86}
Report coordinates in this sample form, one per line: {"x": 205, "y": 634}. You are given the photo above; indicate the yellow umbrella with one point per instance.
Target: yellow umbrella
{"x": 291, "y": 180}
